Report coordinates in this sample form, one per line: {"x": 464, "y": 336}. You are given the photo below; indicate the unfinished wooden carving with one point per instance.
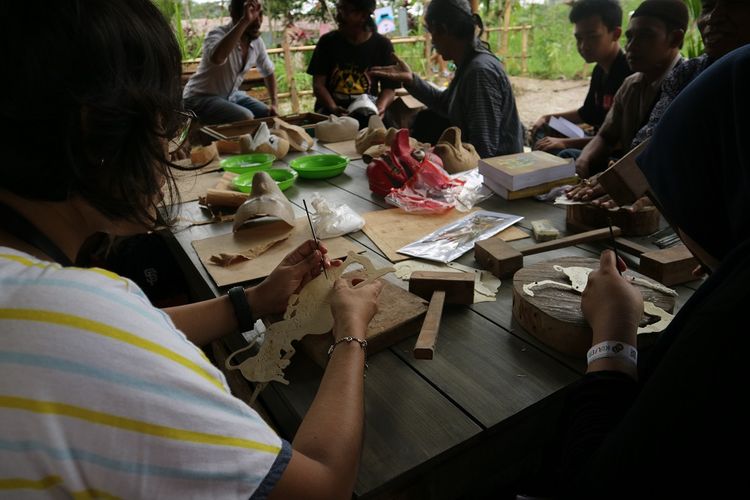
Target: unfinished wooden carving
{"x": 265, "y": 199}
{"x": 308, "y": 313}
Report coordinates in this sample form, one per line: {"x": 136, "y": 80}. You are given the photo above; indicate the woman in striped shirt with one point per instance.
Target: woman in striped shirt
{"x": 101, "y": 394}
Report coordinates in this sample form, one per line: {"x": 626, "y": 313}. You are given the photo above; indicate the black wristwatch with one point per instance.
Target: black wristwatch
{"x": 241, "y": 308}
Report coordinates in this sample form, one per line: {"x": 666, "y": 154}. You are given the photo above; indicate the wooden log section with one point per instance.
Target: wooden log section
{"x": 554, "y": 315}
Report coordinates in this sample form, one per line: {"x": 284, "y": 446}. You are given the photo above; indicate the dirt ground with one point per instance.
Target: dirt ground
{"x": 535, "y": 98}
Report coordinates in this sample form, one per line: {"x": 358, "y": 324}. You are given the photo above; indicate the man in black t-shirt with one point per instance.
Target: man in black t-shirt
{"x": 598, "y": 27}
{"x": 342, "y": 58}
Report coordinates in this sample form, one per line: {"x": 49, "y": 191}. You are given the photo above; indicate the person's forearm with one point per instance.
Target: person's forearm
{"x": 618, "y": 333}
{"x": 576, "y": 142}
{"x": 270, "y": 82}
{"x": 426, "y": 93}
{"x": 321, "y": 92}
{"x": 331, "y": 432}
{"x": 229, "y": 42}
{"x": 595, "y": 152}
{"x": 206, "y": 321}
{"x": 571, "y": 116}
{"x": 385, "y": 99}
{"x": 209, "y": 320}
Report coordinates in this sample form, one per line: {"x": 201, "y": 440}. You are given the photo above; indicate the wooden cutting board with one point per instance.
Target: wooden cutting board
{"x": 256, "y": 234}
{"x": 393, "y": 229}
{"x": 399, "y": 316}
{"x": 554, "y": 315}
{"x": 192, "y": 186}
{"x": 344, "y": 148}
{"x": 640, "y": 223}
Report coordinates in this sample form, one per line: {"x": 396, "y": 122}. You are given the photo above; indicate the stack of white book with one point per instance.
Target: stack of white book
{"x": 526, "y": 174}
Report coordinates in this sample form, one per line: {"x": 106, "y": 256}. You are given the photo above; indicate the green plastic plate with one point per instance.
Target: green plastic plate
{"x": 319, "y": 166}
{"x": 244, "y": 163}
{"x": 284, "y": 179}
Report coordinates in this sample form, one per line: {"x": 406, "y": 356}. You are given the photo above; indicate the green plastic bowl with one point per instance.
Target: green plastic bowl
{"x": 284, "y": 179}
{"x": 319, "y": 166}
{"x": 241, "y": 164}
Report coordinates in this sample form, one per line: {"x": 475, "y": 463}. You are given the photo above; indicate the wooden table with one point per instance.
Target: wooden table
{"x": 471, "y": 419}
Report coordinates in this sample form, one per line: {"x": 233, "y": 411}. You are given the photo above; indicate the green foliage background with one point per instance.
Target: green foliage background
{"x": 552, "y": 48}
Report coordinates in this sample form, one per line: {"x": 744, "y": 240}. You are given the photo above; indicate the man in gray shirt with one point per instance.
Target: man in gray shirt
{"x": 228, "y": 53}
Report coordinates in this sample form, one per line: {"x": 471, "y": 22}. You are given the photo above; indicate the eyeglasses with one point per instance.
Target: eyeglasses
{"x": 183, "y": 130}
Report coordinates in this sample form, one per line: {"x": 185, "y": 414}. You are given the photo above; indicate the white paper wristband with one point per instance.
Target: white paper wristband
{"x": 612, "y": 349}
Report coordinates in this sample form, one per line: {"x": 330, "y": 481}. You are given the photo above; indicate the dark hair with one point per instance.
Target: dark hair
{"x": 673, "y": 13}
{"x": 366, "y": 7}
{"x": 94, "y": 93}
{"x": 456, "y": 17}
{"x": 235, "y": 9}
{"x": 608, "y": 10}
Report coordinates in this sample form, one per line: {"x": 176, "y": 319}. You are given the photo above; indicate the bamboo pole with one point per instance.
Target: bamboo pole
{"x": 524, "y": 51}
{"x": 427, "y": 41}
{"x": 506, "y": 25}
{"x": 290, "y": 72}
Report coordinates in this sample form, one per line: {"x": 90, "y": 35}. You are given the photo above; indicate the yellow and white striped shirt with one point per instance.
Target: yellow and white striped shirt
{"x": 101, "y": 396}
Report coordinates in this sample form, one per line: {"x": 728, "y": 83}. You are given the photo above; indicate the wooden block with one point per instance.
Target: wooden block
{"x": 544, "y": 230}
{"x": 670, "y": 266}
{"x": 458, "y": 287}
{"x": 227, "y": 147}
{"x": 640, "y": 223}
{"x": 203, "y": 154}
{"x": 399, "y": 316}
{"x": 221, "y": 198}
{"x": 624, "y": 181}
{"x": 498, "y": 257}
{"x": 425, "y": 346}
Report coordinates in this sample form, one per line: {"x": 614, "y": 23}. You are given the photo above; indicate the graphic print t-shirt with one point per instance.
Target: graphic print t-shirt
{"x": 345, "y": 66}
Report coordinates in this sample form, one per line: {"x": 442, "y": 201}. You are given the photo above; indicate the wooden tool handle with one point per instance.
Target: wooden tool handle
{"x": 221, "y": 198}
{"x": 631, "y": 247}
{"x": 425, "y": 346}
{"x": 573, "y": 239}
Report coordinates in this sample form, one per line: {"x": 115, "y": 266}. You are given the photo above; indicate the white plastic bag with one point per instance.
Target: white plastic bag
{"x": 333, "y": 219}
{"x": 473, "y": 191}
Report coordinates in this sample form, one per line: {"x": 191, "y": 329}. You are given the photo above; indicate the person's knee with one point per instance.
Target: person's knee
{"x": 569, "y": 153}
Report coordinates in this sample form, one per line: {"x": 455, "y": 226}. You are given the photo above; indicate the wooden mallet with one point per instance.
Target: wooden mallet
{"x": 438, "y": 288}
{"x": 503, "y": 260}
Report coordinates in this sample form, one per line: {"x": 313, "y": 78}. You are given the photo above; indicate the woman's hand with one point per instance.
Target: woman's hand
{"x": 398, "y": 72}
{"x": 353, "y": 307}
{"x": 290, "y": 276}
{"x": 610, "y": 303}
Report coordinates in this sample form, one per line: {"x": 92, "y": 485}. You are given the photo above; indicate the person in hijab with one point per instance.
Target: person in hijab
{"x": 672, "y": 424}
{"x": 479, "y": 99}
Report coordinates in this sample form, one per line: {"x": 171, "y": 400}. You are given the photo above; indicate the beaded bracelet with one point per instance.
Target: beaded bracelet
{"x": 362, "y": 344}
